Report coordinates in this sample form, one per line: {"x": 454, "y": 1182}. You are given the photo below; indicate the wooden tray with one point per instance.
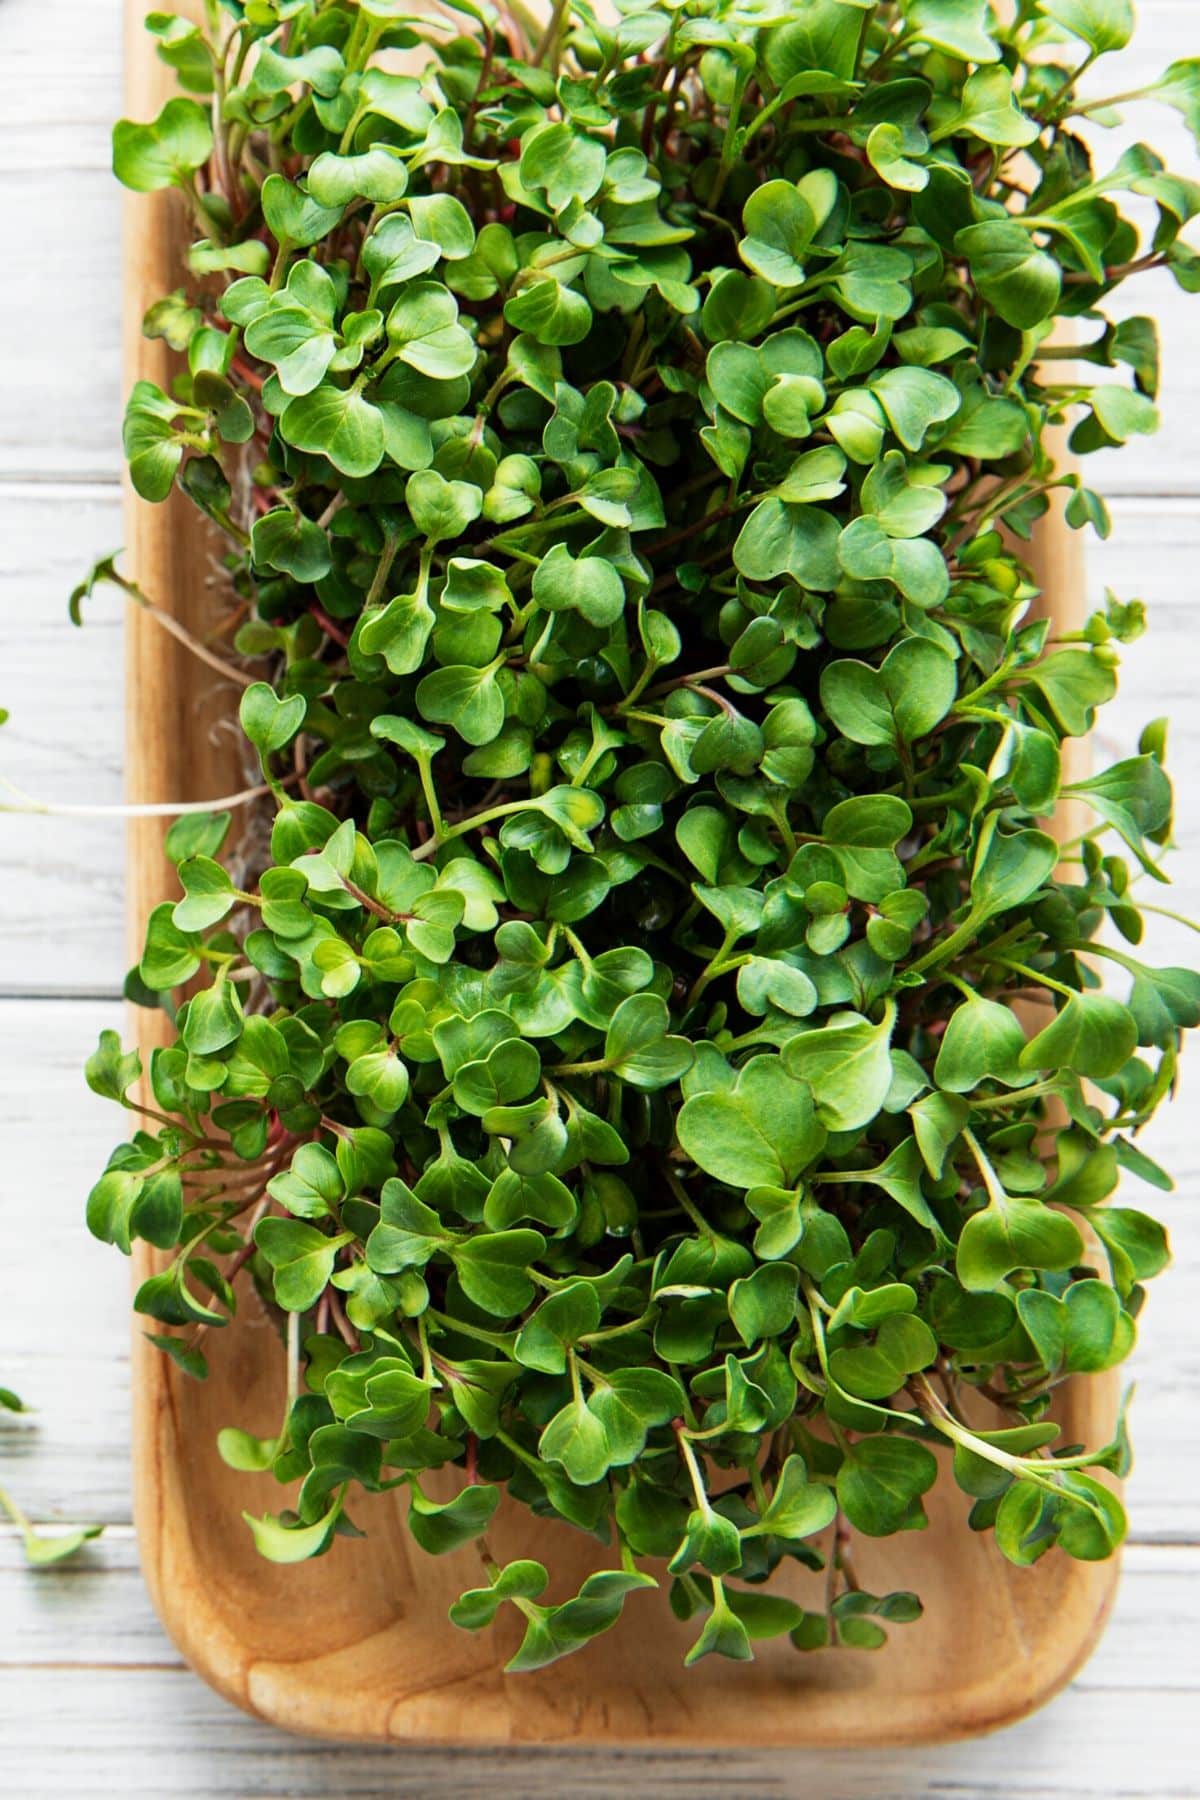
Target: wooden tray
{"x": 357, "y": 1646}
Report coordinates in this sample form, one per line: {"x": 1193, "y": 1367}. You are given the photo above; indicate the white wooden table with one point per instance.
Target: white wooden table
{"x": 93, "y": 1697}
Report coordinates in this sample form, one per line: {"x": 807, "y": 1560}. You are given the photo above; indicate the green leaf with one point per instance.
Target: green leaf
{"x": 312, "y": 1186}
{"x": 911, "y": 692}
{"x": 165, "y": 153}
{"x": 466, "y": 698}
{"x": 268, "y": 722}
{"x": 1137, "y": 1245}
{"x": 1093, "y": 1035}
{"x": 587, "y": 585}
{"x": 988, "y": 109}
{"x": 379, "y": 175}
{"x": 550, "y": 312}
{"x": 287, "y": 541}
{"x": 280, "y": 1542}
{"x": 760, "y": 1132}
{"x": 210, "y": 893}
{"x": 338, "y": 423}
{"x": 763, "y": 1304}
{"x": 1163, "y": 1002}
{"x": 723, "y": 1634}
{"x": 576, "y": 1439}
{"x": 915, "y": 401}
{"x": 1073, "y": 683}
{"x": 780, "y": 222}
{"x": 848, "y": 1066}
{"x": 915, "y": 566}
{"x": 885, "y": 152}
{"x": 243, "y": 1451}
{"x": 441, "y": 509}
{"x": 1179, "y": 87}
{"x": 399, "y": 632}
{"x": 872, "y": 281}
{"x": 1134, "y": 797}
{"x": 424, "y": 332}
{"x": 798, "y": 1507}
{"x": 491, "y": 1268}
{"x": 214, "y": 1019}
{"x": 1084, "y": 1332}
{"x": 562, "y": 162}
{"x": 559, "y": 1322}
{"x": 863, "y": 833}
{"x": 42, "y": 1549}
{"x": 170, "y": 956}
{"x": 560, "y": 1630}
{"x": 1012, "y": 867}
{"x": 477, "y": 1607}
{"x": 711, "y": 1540}
{"x": 902, "y": 1345}
{"x": 782, "y": 539}
{"x": 301, "y": 1257}
{"x": 295, "y": 329}
{"x": 880, "y": 1484}
{"x": 938, "y": 1120}
{"x": 148, "y": 437}
{"x": 984, "y": 1039}
{"x": 1103, "y": 25}
{"x": 639, "y": 1048}
{"x": 629, "y": 1403}
{"x": 1014, "y": 1231}
{"x": 110, "y": 1071}
{"x": 1021, "y": 281}
{"x": 294, "y": 217}
{"x": 448, "y": 1525}
{"x": 957, "y": 26}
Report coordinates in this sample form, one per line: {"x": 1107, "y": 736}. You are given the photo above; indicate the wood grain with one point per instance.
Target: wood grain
{"x": 357, "y": 1645}
{"x": 91, "y": 1651}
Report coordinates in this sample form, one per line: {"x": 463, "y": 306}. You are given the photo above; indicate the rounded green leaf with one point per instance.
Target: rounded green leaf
{"x": 1014, "y": 1231}
{"x": 165, "y": 152}
{"x": 761, "y": 1132}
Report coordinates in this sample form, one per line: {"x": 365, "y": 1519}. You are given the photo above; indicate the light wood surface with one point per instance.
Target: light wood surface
{"x": 93, "y": 1700}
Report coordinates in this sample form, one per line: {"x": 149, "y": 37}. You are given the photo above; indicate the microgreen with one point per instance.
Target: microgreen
{"x": 609, "y": 1076}
{"x": 42, "y": 1548}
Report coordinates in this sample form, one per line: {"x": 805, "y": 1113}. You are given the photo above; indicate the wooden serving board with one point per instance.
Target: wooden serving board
{"x": 357, "y": 1645}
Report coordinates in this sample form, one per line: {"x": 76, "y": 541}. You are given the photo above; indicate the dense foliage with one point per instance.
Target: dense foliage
{"x": 623, "y": 436}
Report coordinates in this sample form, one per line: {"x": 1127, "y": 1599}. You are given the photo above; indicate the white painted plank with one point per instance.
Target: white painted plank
{"x": 64, "y": 66}
{"x": 61, "y": 881}
{"x": 91, "y": 1651}
{"x": 60, "y": 306}
{"x": 64, "y": 1302}
{"x": 131, "y": 1733}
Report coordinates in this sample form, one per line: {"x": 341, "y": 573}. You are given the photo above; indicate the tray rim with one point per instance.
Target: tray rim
{"x": 159, "y": 766}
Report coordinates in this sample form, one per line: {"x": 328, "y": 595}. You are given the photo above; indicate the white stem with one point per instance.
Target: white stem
{"x": 293, "y": 1358}
{"x": 183, "y": 636}
{"x": 134, "y": 809}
